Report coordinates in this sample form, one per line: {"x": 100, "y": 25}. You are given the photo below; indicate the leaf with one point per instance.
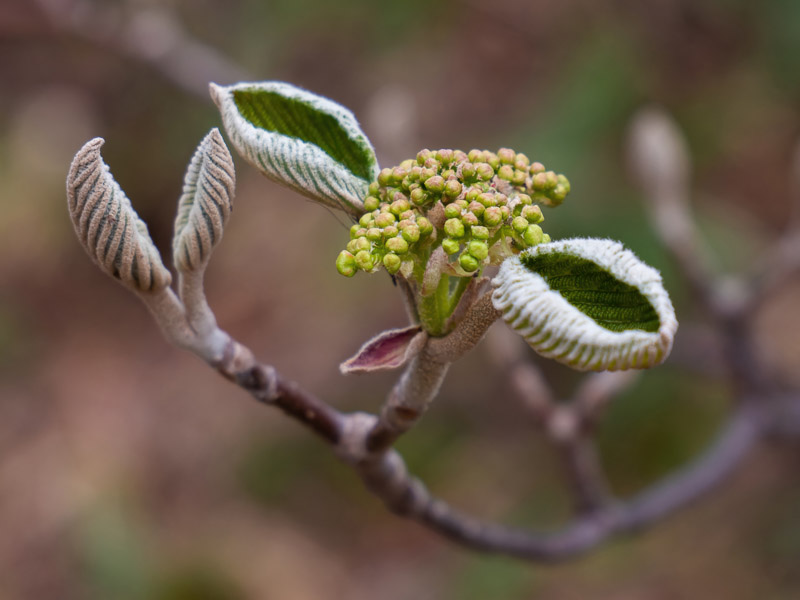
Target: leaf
{"x": 588, "y": 303}
{"x": 206, "y": 203}
{"x": 301, "y": 140}
{"x": 107, "y": 226}
{"x": 388, "y": 350}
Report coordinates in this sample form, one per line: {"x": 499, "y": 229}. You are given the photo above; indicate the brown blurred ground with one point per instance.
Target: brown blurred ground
{"x": 129, "y": 470}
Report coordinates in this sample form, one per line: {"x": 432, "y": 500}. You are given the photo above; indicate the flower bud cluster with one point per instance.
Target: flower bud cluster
{"x": 466, "y": 202}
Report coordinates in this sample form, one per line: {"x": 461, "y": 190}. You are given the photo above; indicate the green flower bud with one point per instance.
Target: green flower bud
{"x": 505, "y": 212}
{"x": 519, "y": 177}
{"x": 484, "y": 171}
{"x": 385, "y": 177}
{"x": 390, "y": 231}
{"x": 533, "y": 235}
{"x": 399, "y": 206}
{"x": 533, "y": 214}
{"x": 411, "y": 234}
{"x": 346, "y": 263}
{"x": 423, "y": 155}
{"x": 468, "y": 262}
{"x": 487, "y": 199}
{"x": 373, "y": 234}
{"x": 452, "y": 211}
{"x": 479, "y": 232}
{"x": 468, "y": 171}
{"x": 524, "y": 199}
{"x": 435, "y": 184}
{"x": 474, "y": 155}
{"x": 448, "y": 174}
{"x": 397, "y": 245}
{"x": 385, "y": 219}
{"x": 419, "y": 197}
{"x": 476, "y": 208}
{"x": 361, "y": 232}
{"x": 492, "y": 159}
{"x": 398, "y": 174}
{"x": 363, "y": 260}
{"x": 469, "y": 219}
{"x": 407, "y": 164}
{"x": 373, "y": 188}
{"x": 519, "y": 224}
{"x": 360, "y": 244}
{"x": 492, "y": 216}
{"x": 432, "y": 163}
{"x": 522, "y": 162}
{"x": 454, "y": 228}
{"x": 506, "y": 172}
{"x": 392, "y": 263}
{"x": 501, "y": 199}
{"x": 354, "y": 231}
{"x": 546, "y": 239}
{"x": 352, "y": 246}
{"x": 545, "y": 181}
{"x": 478, "y": 249}
{"x": 472, "y": 193}
{"x": 444, "y": 156}
{"x": 451, "y": 246}
{"x": 507, "y": 156}
{"x": 452, "y": 189}
{"x": 536, "y": 167}
{"x": 371, "y": 203}
{"x": 425, "y": 226}
{"x": 366, "y": 220}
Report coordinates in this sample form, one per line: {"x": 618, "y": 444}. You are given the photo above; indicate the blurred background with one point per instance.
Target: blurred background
{"x": 130, "y": 470}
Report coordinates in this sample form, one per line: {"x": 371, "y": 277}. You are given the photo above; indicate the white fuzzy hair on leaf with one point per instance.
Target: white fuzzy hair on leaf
{"x": 298, "y": 163}
{"x": 557, "y": 329}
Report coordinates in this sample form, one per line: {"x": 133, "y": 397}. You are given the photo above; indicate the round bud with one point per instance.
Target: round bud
{"x": 399, "y": 206}
{"x": 435, "y": 184}
{"x": 519, "y": 224}
{"x": 385, "y": 219}
{"x": 501, "y": 199}
{"x": 448, "y": 174}
{"x": 371, "y": 203}
{"x": 506, "y": 172}
{"x": 373, "y": 188}
{"x": 469, "y": 219}
{"x": 392, "y": 263}
{"x": 468, "y": 171}
{"x": 419, "y": 197}
{"x": 397, "y": 245}
{"x": 546, "y": 239}
{"x": 354, "y": 231}
{"x": 452, "y": 189}
{"x": 506, "y": 156}
{"x": 390, "y": 231}
{"x": 346, "y": 263}
{"x": 492, "y": 159}
{"x": 533, "y": 214}
{"x": 522, "y": 162}
{"x": 454, "y": 228}
{"x": 484, "y": 171}
{"x": 468, "y": 262}
{"x": 398, "y": 174}
{"x": 352, "y": 246}
{"x": 423, "y": 155}
{"x": 361, "y": 243}
{"x": 472, "y": 193}
{"x": 363, "y": 260}
{"x": 476, "y": 208}
{"x": 524, "y": 199}
{"x": 519, "y": 177}
{"x": 411, "y": 234}
{"x": 487, "y": 199}
{"x": 373, "y": 234}
{"x": 451, "y": 246}
{"x": 385, "y": 177}
{"x": 444, "y": 156}
{"x": 478, "y": 249}
{"x": 533, "y": 235}
{"x": 425, "y": 226}
{"x": 407, "y": 164}
{"x": 427, "y": 174}
{"x": 479, "y": 232}
{"x": 474, "y": 155}
{"x": 536, "y": 167}
{"x": 492, "y": 216}
{"x": 451, "y": 211}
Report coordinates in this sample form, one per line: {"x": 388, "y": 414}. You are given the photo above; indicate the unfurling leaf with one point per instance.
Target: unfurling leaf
{"x": 206, "y": 203}
{"x": 301, "y": 140}
{"x": 389, "y": 350}
{"x": 588, "y": 303}
{"x": 107, "y": 226}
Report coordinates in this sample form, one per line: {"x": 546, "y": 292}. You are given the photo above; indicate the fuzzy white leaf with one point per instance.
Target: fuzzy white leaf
{"x": 206, "y": 203}
{"x": 107, "y": 226}
{"x": 588, "y": 303}
{"x": 299, "y": 139}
